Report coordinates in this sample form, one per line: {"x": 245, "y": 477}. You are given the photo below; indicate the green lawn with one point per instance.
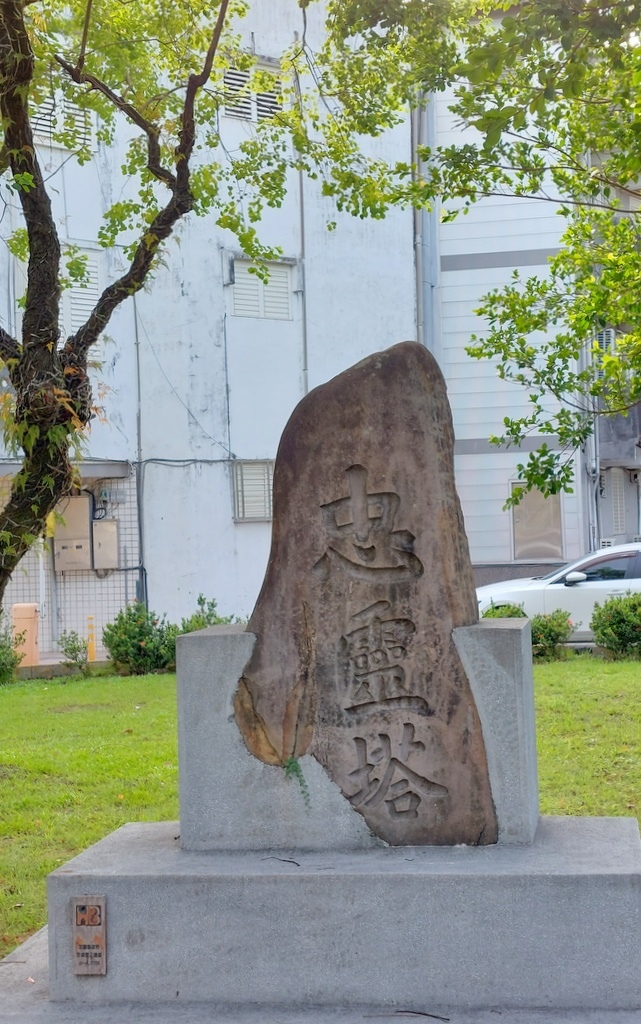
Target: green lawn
{"x": 80, "y": 757}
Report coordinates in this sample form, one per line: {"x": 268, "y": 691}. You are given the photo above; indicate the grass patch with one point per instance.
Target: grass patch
{"x": 80, "y": 757}
{"x": 589, "y": 736}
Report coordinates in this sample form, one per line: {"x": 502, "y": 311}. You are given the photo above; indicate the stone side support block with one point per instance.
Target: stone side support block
{"x": 229, "y": 800}
{"x": 497, "y": 657}
{"x": 553, "y": 924}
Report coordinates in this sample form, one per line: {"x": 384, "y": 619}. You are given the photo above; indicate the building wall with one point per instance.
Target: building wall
{"x": 188, "y": 387}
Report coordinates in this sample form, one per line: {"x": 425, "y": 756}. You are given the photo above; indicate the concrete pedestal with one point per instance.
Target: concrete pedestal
{"x": 231, "y": 801}
{"x": 556, "y": 924}
{"x": 262, "y": 899}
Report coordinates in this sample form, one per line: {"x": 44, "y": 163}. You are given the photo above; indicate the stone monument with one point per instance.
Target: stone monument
{"x": 368, "y": 575}
{"x": 409, "y": 869}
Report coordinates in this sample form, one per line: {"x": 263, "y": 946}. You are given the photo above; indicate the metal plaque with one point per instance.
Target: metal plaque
{"x": 89, "y": 927}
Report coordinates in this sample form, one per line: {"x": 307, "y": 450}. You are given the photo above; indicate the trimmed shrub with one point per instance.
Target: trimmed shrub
{"x": 549, "y": 632}
{"x": 75, "y": 650}
{"x": 10, "y": 658}
{"x": 616, "y": 625}
{"x": 205, "y": 616}
{"x": 505, "y": 611}
{"x": 140, "y": 641}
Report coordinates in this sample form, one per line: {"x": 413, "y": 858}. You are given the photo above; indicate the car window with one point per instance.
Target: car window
{"x": 635, "y": 571}
{"x": 609, "y": 568}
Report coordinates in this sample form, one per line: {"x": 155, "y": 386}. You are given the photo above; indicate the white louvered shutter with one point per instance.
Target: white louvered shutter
{"x": 253, "y": 483}
{"x": 247, "y": 292}
{"x": 77, "y": 302}
{"x": 617, "y": 481}
{"x": 606, "y": 341}
{"x": 238, "y": 99}
{"x": 276, "y": 293}
{"x": 267, "y": 104}
{"x": 54, "y": 114}
{"x": 270, "y": 300}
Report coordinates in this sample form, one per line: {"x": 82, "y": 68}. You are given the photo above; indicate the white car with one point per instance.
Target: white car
{"x": 575, "y": 587}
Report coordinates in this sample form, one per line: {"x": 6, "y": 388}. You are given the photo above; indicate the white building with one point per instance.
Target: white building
{"x": 200, "y": 372}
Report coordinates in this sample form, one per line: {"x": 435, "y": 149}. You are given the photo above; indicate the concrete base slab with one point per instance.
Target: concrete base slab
{"x": 554, "y": 924}
{"x": 24, "y": 999}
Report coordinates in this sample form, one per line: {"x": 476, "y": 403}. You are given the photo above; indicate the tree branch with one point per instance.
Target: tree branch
{"x": 74, "y": 353}
{"x": 152, "y": 131}
{"x": 40, "y": 322}
{"x": 9, "y": 348}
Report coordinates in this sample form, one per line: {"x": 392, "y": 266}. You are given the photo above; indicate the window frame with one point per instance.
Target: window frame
{"x": 239, "y": 490}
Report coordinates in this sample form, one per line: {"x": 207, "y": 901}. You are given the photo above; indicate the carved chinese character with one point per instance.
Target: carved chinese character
{"x": 363, "y": 541}
{"x": 374, "y": 652}
{"x": 385, "y": 777}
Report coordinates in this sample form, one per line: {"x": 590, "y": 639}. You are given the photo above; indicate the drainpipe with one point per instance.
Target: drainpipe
{"x": 301, "y": 216}
{"x": 419, "y": 284}
{"x": 142, "y": 582}
{"x": 426, "y": 237}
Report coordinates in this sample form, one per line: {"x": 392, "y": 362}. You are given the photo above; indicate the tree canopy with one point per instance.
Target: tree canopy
{"x": 547, "y": 96}
{"x": 165, "y": 71}
{"x": 547, "y": 93}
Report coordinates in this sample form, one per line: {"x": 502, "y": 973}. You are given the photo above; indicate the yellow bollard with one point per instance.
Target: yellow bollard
{"x": 91, "y": 639}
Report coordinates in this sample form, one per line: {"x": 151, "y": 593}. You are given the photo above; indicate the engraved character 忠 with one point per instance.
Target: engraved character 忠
{"x": 362, "y": 538}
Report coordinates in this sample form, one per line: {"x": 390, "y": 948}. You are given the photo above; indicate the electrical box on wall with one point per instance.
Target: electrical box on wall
{"x": 72, "y": 537}
{"x": 105, "y": 544}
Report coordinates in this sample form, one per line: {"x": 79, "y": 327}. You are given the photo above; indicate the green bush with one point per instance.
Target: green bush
{"x": 75, "y": 650}
{"x": 10, "y": 658}
{"x": 616, "y": 625}
{"x": 205, "y": 616}
{"x": 549, "y": 632}
{"x": 140, "y": 641}
{"x": 504, "y": 611}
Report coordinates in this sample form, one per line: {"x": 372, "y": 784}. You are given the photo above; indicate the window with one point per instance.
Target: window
{"x": 269, "y": 300}
{"x": 608, "y": 567}
{"x": 77, "y": 302}
{"x": 536, "y": 524}
{"x": 56, "y": 115}
{"x": 606, "y": 344}
{"x": 618, "y": 501}
{"x": 250, "y": 106}
{"x": 253, "y": 483}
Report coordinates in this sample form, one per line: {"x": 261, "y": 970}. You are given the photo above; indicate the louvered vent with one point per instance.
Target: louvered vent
{"x": 238, "y": 99}
{"x": 606, "y": 342}
{"x": 57, "y": 114}
{"x": 270, "y": 300}
{"x": 246, "y": 290}
{"x": 618, "y": 501}
{"x": 253, "y": 483}
{"x": 241, "y": 102}
{"x": 267, "y": 104}
{"x": 78, "y": 301}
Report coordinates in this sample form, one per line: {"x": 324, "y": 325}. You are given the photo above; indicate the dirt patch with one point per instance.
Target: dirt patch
{"x": 12, "y": 771}
{"x": 80, "y": 707}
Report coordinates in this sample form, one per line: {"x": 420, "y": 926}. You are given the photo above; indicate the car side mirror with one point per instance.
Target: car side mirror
{"x": 575, "y": 577}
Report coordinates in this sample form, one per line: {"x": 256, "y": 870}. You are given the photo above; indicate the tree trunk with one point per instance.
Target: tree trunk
{"x": 46, "y": 475}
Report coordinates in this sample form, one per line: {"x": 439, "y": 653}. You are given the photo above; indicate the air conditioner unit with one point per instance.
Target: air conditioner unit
{"x": 607, "y": 542}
